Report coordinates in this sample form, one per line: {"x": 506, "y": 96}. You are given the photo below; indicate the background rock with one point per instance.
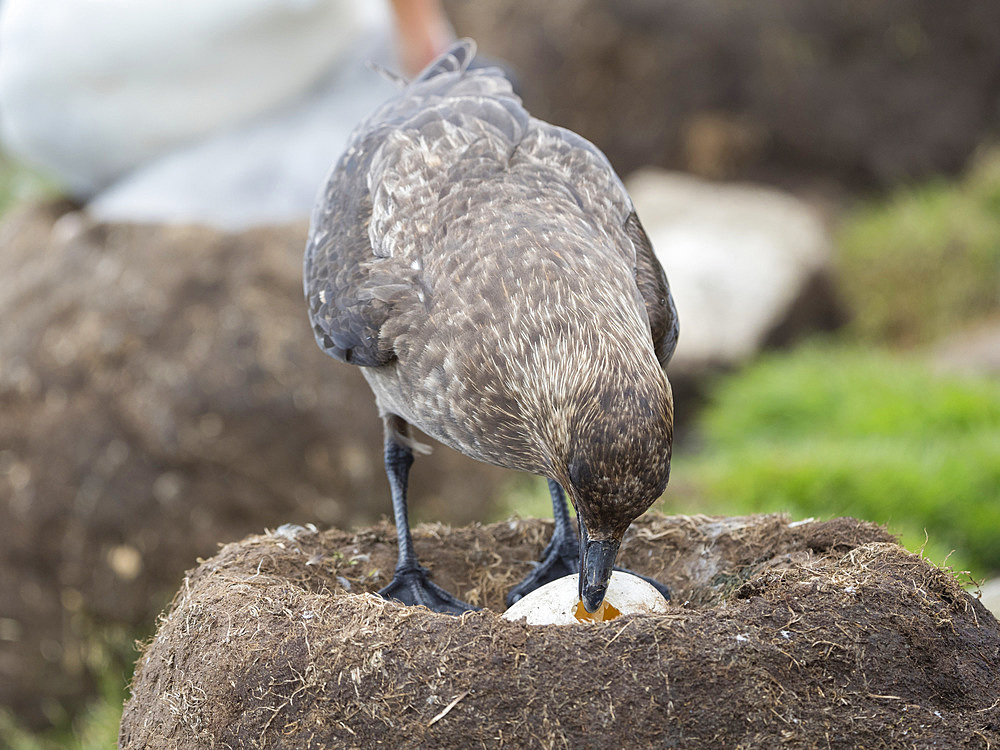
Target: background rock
{"x": 991, "y": 595}
{"x": 974, "y": 351}
{"x": 747, "y": 265}
{"x": 162, "y": 393}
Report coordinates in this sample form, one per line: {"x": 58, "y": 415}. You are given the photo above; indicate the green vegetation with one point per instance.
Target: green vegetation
{"x": 830, "y": 430}
{"x": 926, "y": 260}
{"x": 524, "y": 496}
{"x": 18, "y": 183}
{"x": 96, "y": 728}
{"x": 109, "y": 655}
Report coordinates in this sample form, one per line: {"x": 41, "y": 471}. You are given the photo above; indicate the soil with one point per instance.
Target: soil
{"x": 799, "y": 93}
{"x": 161, "y": 392}
{"x": 807, "y": 635}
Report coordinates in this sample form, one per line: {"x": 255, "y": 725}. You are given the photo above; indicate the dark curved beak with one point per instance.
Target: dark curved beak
{"x": 597, "y": 560}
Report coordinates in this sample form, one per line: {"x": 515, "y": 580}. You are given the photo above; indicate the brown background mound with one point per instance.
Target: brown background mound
{"x": 809, "y": 635}
{"x": 859, "y": 92}
{"x": 161, "y": 392}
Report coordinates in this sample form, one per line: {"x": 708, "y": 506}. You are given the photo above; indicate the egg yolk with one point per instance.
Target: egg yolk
{"x": 604, "y": 612}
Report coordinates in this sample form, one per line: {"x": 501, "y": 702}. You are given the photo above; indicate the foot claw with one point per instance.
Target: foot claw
{"x": 413, "y": 586}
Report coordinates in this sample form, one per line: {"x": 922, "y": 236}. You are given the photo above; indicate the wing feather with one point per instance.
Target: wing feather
{"x": 655, "y": 291}
{"x": 450, "y": 125}
{"x": 383, "y": 186}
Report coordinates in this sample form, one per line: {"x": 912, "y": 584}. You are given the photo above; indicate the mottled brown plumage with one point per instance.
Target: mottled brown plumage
{"x": 488, "y": 272}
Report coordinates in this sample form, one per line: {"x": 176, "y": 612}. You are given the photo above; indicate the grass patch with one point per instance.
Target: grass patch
{"x": 525, "y": 496}
{"x": 827, "y": 431}
{"x": 925, "y": 261}
{"x": 18, "y": 183}
{"x": 109, "y": 658}
{"x": 96, "y": 728}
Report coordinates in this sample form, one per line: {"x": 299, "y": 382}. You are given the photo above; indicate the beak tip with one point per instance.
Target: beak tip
{"x": 593, "y": 599}
{"x": 595, "y": 572}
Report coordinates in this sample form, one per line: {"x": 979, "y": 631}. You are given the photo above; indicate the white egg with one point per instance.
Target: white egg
{"x": 556, "y": 603}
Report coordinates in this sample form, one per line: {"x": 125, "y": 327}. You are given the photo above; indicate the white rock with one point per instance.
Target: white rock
{"x": 738, "y": 257}
{"x": 555, "y": 603}
{"x": 91, "y": 88}
{"x": 991, "y": 596}
{"x": 974, "y": 351}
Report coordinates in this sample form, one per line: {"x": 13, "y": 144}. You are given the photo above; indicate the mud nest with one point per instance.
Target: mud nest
{"x": 815, "y": 634}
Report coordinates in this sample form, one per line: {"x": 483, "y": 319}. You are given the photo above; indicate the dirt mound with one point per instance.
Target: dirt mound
{"x": 801, "y": 635}
{"x": 773, "y": 89}
{"x": 161, "y": 392}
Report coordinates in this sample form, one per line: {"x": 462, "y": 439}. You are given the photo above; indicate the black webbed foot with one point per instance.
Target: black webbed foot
{"x": 559, "y": 559}
{"x": 562, "y": 555}
{"x": 411, "y": 582}
{"x": 412, "y": 586}
{"x": 662, "y": 588}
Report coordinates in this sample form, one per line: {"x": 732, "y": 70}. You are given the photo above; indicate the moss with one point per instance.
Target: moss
{"x": 926, "y": 260}
{"x": 828, "y": 431}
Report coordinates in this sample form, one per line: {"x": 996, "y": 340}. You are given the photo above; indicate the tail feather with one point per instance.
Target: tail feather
{"x": 455, "y": 58}
{"x": 392, "y": 77}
